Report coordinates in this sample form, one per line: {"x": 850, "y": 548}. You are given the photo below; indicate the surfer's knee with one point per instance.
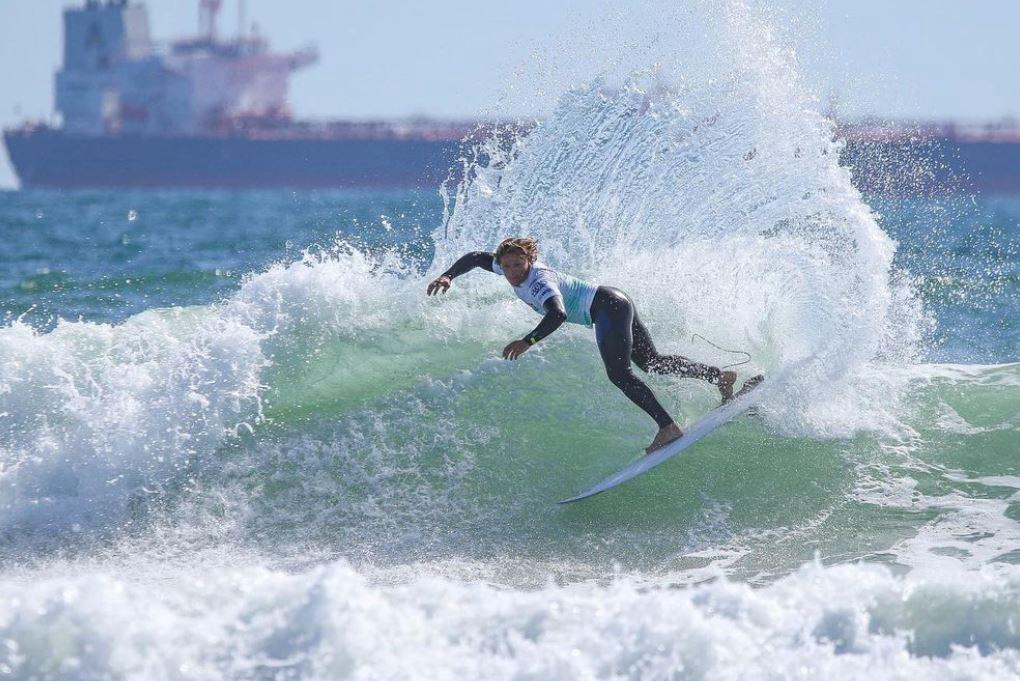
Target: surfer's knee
{"x": 620, "y": 375}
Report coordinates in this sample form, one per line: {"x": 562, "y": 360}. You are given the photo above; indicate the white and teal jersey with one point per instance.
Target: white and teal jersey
{"x": 542, "y": 283}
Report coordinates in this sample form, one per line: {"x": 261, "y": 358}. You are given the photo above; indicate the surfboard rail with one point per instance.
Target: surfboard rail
{"x": 715, "y": 418}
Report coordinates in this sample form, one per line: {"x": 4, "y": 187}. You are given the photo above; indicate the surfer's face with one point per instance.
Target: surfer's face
{"x": 515, "y": 267}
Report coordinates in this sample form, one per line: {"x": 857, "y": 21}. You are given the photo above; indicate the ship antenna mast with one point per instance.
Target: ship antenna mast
{"x": 207, "y": 11}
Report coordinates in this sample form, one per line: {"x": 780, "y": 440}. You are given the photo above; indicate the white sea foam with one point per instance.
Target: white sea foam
{"x": 850, "y": 622}
{"x": 95, "y": 414}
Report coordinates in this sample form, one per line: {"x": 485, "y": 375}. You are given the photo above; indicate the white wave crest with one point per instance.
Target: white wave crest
{"x": 849, "y": 622}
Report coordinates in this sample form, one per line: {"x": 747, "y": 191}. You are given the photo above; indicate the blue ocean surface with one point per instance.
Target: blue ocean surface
{"x": 104, "y": 256}
{"x": 237, "y": 440}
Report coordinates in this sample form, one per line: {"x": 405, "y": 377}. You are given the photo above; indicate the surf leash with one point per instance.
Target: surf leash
{"x": 732, "y": 352}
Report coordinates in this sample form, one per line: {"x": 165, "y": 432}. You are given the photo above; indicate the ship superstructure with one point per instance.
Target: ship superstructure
{"x": 115, "y": 80}
{"x": 205, "y": 112}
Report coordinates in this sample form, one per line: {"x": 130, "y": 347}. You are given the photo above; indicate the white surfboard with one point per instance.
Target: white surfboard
{"x": 710, "y": 422}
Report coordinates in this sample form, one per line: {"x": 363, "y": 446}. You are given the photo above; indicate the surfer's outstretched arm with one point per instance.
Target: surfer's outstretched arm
{"x": 555, "y": 315}
{"x": 464, "y": 264}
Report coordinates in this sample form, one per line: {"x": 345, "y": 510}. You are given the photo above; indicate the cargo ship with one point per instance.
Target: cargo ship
{"x": 207, "y": 112}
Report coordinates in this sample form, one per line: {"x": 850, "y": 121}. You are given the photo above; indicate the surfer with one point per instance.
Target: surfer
{"x": 619, "y": 333}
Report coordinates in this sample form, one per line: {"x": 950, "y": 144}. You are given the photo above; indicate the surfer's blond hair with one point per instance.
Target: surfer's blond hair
{"x": 522, "y": 244}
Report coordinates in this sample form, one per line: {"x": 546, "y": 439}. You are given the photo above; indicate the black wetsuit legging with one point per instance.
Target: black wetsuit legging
{"x": 622, "y": 338}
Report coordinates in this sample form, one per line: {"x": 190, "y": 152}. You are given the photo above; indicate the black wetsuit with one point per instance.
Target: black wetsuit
{"x": 621, "y": 338}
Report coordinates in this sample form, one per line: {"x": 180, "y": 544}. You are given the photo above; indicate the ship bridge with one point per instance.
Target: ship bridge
{"x": 116, "y": 80}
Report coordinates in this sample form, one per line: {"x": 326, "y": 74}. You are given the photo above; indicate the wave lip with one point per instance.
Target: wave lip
{"x": 713, "y": 194}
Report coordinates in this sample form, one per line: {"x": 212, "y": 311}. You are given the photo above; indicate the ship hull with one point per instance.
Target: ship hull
{"x": 53, "y": 159}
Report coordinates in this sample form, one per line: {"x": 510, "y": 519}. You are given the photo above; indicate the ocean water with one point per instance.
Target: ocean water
{"x": 237, "y": 440}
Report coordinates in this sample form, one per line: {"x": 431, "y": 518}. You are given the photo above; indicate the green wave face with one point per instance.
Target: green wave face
{"x": 461, "y": 456}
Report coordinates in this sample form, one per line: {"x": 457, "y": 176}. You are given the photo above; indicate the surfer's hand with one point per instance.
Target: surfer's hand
{"x": 439, "y": 285}
{"x": 515, "y": 349}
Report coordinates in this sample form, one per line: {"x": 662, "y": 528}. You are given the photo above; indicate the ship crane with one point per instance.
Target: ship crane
{"x": 207, "y": 11}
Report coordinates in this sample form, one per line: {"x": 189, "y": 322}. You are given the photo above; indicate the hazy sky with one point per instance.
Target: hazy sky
{"x": 902, "y": 58}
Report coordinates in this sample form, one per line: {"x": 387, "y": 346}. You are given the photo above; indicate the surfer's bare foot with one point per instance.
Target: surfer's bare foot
{"x": 664, "y": 437}
{"x": 750, "y": 384}
{"x": 726, "y": 381}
